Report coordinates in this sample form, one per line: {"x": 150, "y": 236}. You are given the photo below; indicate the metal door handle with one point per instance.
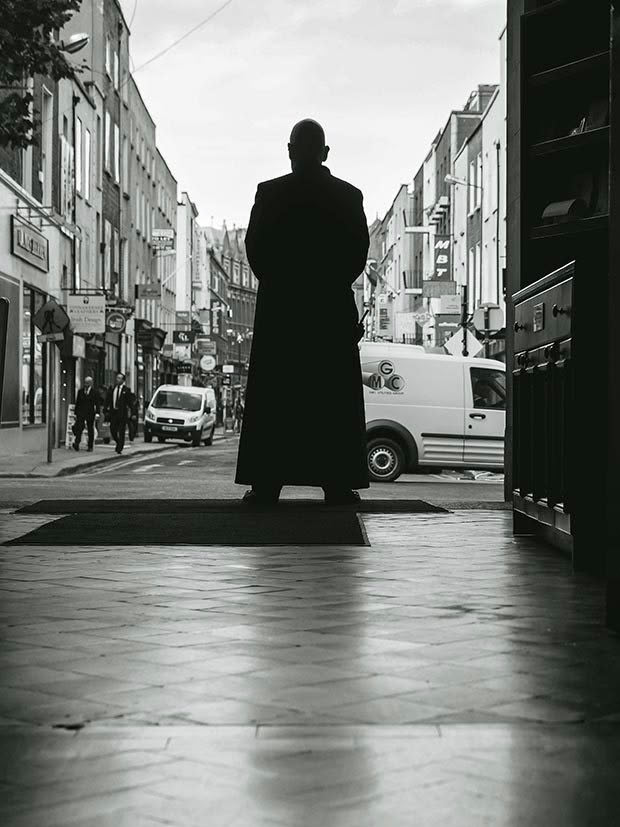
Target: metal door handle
{"x": 477, "y": 416}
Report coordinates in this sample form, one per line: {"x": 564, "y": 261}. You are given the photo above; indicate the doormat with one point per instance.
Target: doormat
{"x": 234, "y": 506}
{"x": 200, "y": 528}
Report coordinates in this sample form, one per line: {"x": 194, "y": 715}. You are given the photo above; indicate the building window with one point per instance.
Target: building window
{"x": 125, "y": 164}
{"x": 471, "y": 189}
{"x": 478, "y": 285}
{"x": 107, "y": 255}
{"x": 87, "y": 163}
{"x": 34, "y": 361}
{"x": 117, "y": 154}
{"x": 116, "y": 70}
{"x": 479, "y": 184}
{"x": 108, "y": 57}
{"x": 116, "y": 257}
{"x": 79, "y": 174}
{"x": 47, "y": 117}
{"x": 107, "y": 127}
{"x": 98, "y": 153}
{"x": 137, "y": 209}
{"x": 77, "y": 275}
{"x": 98, "y": 269}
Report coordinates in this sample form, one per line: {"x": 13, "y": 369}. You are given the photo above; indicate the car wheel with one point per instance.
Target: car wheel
{"x": 161, "y": 439}
{"x": 386, "y": 459}
{"x": 196, "y": 441}
{"x": 148, "y": 436}
{"x": 209, "y": 439}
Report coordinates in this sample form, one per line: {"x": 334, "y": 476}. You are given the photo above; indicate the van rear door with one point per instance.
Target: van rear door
{"x": 485, "y": 416}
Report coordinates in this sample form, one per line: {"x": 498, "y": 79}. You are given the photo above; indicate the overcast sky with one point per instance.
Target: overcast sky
{"x": 380, "y": 75}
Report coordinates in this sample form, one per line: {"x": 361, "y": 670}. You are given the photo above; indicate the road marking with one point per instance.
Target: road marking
{"x": 186, "y": 462}
{"x": 146, "y": 468}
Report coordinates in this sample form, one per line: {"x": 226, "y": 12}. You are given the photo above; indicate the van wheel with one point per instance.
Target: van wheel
{"x": 209, "y": 439}
{"x": 386, "y": 459}
{"x": 148, "y": 436}
{"x": 196, "y": 441}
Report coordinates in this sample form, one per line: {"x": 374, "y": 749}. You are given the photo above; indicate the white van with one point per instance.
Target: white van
{"x": 181, "y": 412}
{"x": 426, "y": 409}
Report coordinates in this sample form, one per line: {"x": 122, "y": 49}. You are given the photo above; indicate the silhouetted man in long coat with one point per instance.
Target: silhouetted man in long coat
{"x": 307, "y": 242}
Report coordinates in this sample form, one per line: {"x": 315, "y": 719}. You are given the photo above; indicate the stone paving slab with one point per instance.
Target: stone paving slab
{"x": 448, "y": 674}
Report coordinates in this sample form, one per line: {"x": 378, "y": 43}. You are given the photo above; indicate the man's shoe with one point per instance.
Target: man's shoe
{"x": 342, "y": 497}
{"x": 89, "y": 450}
{"x": 76, "y": 446}
{"x": 252, "y": 497}
{"x": 119, "y": 450}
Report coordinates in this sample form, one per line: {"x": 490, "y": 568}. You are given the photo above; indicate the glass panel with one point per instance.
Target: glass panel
{"x": 177, "y": 400}
{"x": 488, "y": 388}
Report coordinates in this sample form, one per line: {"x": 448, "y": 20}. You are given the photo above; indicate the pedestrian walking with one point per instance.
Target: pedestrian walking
{"x": 316, "y": 220}
{"x": 118, "y": 410}
{"x": 86, "y": 411}
{"x": 132, "y": 422}
{"x": 238, "y": 415}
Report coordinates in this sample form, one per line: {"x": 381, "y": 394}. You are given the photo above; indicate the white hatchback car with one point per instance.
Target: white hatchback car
{"x": 181, "y": 412}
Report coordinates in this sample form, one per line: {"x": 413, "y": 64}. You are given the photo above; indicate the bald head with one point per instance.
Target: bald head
{"x": 307, "y": 144}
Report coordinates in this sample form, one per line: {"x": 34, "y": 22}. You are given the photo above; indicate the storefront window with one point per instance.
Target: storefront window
{"x": 34, "y": 362}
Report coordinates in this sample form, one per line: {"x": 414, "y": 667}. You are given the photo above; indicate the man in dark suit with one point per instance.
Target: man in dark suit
{"x": 118, "y": 410}
{"x": 86, "y": 409}
{"x": 307, "y": 242}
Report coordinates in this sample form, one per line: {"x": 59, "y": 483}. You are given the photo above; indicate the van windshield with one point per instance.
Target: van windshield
{"x": 177, "y": 400}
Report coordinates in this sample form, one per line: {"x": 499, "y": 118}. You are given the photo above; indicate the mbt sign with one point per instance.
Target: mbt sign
{"x": 29, "y": 244}
{"x": 440, "y": 282}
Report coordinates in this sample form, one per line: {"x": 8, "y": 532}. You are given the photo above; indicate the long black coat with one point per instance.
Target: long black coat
{"x": 86, "y": 404}
{"x": 304, "y": 422}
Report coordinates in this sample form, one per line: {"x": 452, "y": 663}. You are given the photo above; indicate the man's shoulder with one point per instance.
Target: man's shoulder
{"x": 345, "y": 187}
{"x": 275, "y": 183}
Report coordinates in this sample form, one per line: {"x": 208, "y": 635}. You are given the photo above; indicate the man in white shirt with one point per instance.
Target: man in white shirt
{"x": 118, "y": 403}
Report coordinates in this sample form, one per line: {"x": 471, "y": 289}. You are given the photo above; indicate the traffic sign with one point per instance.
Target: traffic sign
{"x": 51, "y": 318}
{"x": 495, "y": 318}
{"x": 454, "y": 344}
{"x": 207, "y": 363}
{"x": 228, "y": 368}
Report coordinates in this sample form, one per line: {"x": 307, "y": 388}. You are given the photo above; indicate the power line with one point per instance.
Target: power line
{"x": 184, "y": 36}
{"x": 133, "y": 14}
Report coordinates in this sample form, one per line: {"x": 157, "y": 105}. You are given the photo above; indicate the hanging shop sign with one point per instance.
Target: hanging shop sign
{"x": 207, "y": 363}
{"x": 87, "y": 313}
{"x": 184, "y": 367}
{"x": 206, "y": 347}
{"x": 440, "y": 282}
{"x": 450, "y": 304}
{"x": 445, "y": 326}
{"x": 29, "y": 244}
{"x": 115, "y": 322}
{"x": 182, "y": 352}
{"x": 183, "y": 337}
{"x": 149, "y": 291}
{"x": 162, "y": 239}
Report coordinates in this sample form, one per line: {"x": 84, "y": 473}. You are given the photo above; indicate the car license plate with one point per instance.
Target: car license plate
{"x": 168, "y": 428}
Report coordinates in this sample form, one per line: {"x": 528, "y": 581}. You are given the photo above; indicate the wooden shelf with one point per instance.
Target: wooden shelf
{"x": 584, "y": 225}
{"x": 599, "y": 60}
{"x": 592, "y": 137}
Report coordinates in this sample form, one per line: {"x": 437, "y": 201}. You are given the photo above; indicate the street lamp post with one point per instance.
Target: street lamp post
{"x": 455, "y": 181}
